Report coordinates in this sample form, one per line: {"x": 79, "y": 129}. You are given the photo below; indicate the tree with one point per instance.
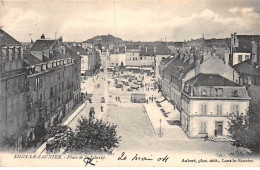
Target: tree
{"x": 245, "y": 130}
{"x": 90, "y": 136}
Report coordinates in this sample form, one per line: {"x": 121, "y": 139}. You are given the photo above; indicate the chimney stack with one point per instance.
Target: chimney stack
{"x": 226, "y": 55}
{"x": 191, "y": 59}
{"x": 43, "y": 37}
{"x": 254, "y": 53}
{"x": 197, "y": 63}
{"x": 60, "y": 39}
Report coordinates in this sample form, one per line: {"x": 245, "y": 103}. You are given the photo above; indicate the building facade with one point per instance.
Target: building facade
{"x": 13, "y": 122}
{"x": 207, "y": 102}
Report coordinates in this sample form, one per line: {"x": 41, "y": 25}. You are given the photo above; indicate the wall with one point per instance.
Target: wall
{"x": 193, "y": 118}
{"x": 158, "y": 59}
{"x": 117, "y": 59}
{"x": 235, "y": 57}
{"x": 84, "y": 62}
{"x": 132, "y": 58}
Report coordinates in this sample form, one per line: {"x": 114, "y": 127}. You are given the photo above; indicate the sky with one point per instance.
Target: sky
{"x": 136, "y": 20}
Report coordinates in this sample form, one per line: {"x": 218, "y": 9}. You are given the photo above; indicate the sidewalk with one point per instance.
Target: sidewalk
{"x": 70, "y": 118}
{"x": 169, "y": 132}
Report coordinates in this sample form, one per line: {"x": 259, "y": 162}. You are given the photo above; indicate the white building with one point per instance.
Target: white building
{"x": 207, "y": 102}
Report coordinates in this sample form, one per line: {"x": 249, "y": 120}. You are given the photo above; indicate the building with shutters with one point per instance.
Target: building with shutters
{"x": 38, "y": 88}
{"x": 13, "y": 122}
{"x": 207, "y": 102}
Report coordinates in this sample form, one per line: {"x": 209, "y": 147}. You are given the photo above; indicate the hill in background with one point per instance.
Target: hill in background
{"x": 105, "y": 40}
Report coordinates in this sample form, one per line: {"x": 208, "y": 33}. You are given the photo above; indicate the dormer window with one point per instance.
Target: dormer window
{"x": 204, "y": 93}
{"x": 186, "y": 88}
{"x": 219, "y": 92}
{"x": 43, "y": 67}
{"x": 234, "y": 93}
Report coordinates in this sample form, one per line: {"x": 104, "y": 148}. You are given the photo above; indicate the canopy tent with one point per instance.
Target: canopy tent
{"x": 172, "y": 112}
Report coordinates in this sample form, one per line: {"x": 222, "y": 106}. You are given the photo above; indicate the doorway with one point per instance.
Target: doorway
{"x": 219, "y": 128}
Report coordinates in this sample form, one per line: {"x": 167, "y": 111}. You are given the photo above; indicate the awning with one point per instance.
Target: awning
{"x": 168, "y": 107}
{"x": 161, "y": 99}
{"x": 147, "y": 69}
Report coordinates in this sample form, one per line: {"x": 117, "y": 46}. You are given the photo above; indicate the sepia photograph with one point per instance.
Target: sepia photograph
{"x": 129, "y": 83}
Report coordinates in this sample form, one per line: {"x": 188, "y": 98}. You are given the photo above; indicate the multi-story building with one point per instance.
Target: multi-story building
{"x": 85, "y": 57}
{"x": 207, "y": 102}
{"x": 132, "y": 55}
{"x": 189, "y": 63}
{"x": 38, "y": 88}
{"x": 117, "y": 57}
{"x": 13, "y": 122}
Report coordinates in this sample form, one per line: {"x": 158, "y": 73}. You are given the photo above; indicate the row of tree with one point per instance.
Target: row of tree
{"x": 91, "y": 135}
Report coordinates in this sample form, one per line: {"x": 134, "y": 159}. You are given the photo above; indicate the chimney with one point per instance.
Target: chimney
{"x": 43, "y": 37}
{"x": 254, "y": 53}
{"x": 236, "y": 41}
{"x": 60, "y": 39}
{"x": 226, "y": 55}
{"x": 197, "y": 63}
{"x": 191, "y": 59}
{"x": 145, "y": 48}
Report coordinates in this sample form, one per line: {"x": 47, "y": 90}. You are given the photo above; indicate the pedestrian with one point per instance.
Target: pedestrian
{"x": 101, "y": 108}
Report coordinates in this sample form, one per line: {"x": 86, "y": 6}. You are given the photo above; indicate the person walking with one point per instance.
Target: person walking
{"x": 101, "y": 108}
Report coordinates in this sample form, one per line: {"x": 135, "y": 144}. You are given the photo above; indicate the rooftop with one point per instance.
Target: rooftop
{"x": 8, "y": 40}
{"x": 245, "y": 67}
{"x": 43, "y": 44}
{"x": 79, "y": 49}
{"x": 30, "y": 59}
{"x": 210, "y": 80}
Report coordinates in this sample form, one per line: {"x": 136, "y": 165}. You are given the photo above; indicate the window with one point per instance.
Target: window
{"x": 235, "y": 93}
{"x": 219, "y": 109}
{"x": 19, "y": 55}
{"x": 62, "y": 86}
{"x": 40, "y": 100}
{"x": 5, "y": 54}
{"x": 203, "y": 109}
{"x": 203, "y": 127}
{"x": 219, "y": 92}
{"x": 13, "y": 53}
{"x": 235, "y": 108}
{"x": 204, "y": 93}
{"x": 133, "y": 53}
{"x": 239, "y": 58}
{"x": 10, "y": 52}
{"x": 141, "y": 58}
{"x": 186, "y": 88}
{"x": 40, "y": 83}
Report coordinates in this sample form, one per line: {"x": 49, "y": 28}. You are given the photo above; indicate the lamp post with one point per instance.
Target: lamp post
{"x": 160, "y": 133}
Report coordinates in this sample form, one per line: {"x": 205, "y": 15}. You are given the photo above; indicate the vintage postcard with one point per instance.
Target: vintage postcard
{"x": 130, "y": 83}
